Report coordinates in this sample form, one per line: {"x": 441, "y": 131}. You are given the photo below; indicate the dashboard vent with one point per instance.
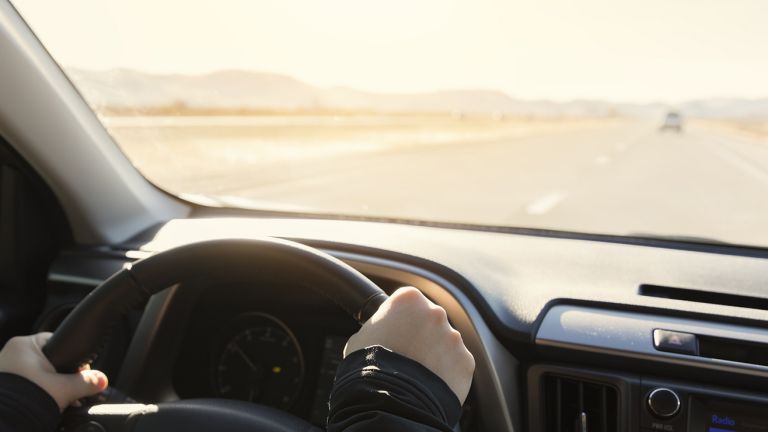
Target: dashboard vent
{"x": 699, "y": 296}
{"x": 576, "y": 405}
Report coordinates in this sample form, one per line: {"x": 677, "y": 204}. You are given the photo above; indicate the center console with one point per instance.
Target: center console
{"x": 688, "y": 375}
{"x": 686, "y": 408}
{"x": 564, "y": 399}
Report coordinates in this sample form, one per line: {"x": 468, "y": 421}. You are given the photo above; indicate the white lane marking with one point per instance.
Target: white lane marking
{"x": 624, "y": 145}
{"x": 743, "y": 164}
{"x": 602, "y": 160}
{"x": 545, "y": 203}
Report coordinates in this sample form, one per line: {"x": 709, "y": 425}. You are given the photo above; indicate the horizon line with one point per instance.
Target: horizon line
{"x": 561, "y": 101}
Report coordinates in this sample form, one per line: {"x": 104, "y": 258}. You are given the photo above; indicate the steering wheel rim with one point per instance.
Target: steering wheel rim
{"x": 79, "y": 337}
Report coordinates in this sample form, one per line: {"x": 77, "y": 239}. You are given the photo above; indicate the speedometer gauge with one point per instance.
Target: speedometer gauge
{"x": 258, "y": 360}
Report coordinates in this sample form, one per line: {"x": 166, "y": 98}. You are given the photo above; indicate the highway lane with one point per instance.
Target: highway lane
{"x": 702, "y": 183}
{"x": 625, "y": 178}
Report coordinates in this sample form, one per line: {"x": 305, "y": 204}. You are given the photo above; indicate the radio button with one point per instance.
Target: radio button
{"x": 663, "y": 403}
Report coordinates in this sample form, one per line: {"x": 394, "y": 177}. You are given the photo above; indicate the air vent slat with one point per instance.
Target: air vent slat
{"x": 699, "y": 296}
{"x": 567, "y": 400}
{"x": 581, "y": 396}
{"x": 604, "y": 408}
{"x": 559, "y": 402}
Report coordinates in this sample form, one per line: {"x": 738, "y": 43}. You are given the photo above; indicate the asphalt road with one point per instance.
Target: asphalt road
{"x": 626, "y": 178}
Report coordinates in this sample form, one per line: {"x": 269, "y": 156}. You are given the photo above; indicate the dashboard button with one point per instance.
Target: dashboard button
{"x": 676, "y": 342}
{"x": 663, "y": 403}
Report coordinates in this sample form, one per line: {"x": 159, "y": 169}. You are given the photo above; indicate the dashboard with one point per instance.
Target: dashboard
{"x": 258, "y": 344}
{"x": 567, "y": 333}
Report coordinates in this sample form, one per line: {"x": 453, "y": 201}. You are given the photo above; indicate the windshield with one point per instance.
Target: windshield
{"x": 645, "y": 118}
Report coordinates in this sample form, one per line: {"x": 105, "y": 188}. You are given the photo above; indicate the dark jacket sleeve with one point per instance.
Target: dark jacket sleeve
{"x": 25, "y": 407}
{"x": 378, "y": 390}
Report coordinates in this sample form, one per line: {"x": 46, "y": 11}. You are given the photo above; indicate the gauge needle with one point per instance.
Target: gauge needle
{"x": 245, "y": 357}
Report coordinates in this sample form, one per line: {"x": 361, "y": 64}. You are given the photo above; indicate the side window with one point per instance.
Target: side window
{"x": 32, "y": 230}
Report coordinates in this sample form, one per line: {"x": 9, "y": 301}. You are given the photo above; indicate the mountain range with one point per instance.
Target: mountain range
{"x": 237, "y": 89}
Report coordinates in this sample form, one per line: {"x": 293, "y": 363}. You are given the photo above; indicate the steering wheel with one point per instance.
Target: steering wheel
{"x": 77, "y": 340}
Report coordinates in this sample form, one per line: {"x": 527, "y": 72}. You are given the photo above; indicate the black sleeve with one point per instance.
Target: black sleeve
{"x": 378, "y": 390}
{"x": 25, "y": 407}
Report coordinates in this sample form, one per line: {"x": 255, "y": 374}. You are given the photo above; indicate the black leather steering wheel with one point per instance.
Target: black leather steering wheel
{"x": 77, "y": 340}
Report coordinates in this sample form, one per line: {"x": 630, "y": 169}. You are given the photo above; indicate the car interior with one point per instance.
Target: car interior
{"x": 570, "y": 331}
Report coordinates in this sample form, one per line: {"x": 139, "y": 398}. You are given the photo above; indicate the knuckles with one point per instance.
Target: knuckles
{"x": 431, "y": 322}
{"x": 412, "y": 300}
{"x": 470, "y": 361}
{"x": 454, "y": 337}
{"x": 438, "y": 315}
{"x": 15, "y": 342}
{"x": 408, "y": 297}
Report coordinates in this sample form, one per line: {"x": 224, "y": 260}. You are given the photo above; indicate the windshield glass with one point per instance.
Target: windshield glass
{"x": 645, "y": 118}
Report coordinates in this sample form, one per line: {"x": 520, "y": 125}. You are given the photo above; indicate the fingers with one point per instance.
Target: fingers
{"x": 38, "y": 342}
{"x": 409, "y": 324}
{"x": 40, "y": 339}
{"x": 447, "y": 355}
{"x": 24, "y": 356}
{"x": 82, "y": 384}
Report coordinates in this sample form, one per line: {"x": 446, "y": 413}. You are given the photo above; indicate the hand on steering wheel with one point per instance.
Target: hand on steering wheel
{"x": 88, "y": 326}
{"x": 411, "y": 325}
{"x": 23, "y": 356}
{"x": 408, "y": 324}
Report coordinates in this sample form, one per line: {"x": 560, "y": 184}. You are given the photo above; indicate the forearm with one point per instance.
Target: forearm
{"x": 378, "y": 390}
{"x": 24, "y": 406}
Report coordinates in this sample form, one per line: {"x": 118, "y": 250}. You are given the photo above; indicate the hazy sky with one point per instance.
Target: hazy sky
{"x": 667, "y": 50}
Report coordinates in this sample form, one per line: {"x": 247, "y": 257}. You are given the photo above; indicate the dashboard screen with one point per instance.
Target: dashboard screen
{"x": 720, "y": 415}
{"x": 333, "y": 349}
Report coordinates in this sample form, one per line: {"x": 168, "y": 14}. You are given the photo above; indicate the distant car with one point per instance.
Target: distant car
{"x": 673, "y": 121}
